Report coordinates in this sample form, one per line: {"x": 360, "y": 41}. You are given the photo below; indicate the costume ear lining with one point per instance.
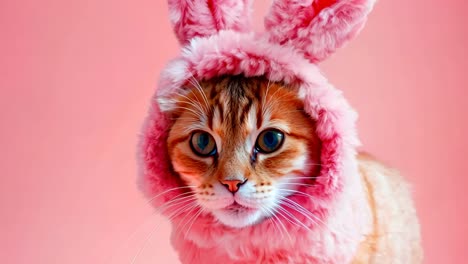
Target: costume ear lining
{"x": 322, "y": 4}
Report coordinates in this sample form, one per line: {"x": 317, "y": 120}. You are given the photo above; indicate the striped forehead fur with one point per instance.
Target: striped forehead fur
{"x": 233, "y": 97}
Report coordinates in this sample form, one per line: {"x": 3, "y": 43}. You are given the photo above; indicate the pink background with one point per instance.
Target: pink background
{"x": 76, "y": 78}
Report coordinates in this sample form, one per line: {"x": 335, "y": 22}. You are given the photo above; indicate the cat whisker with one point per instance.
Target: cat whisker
{"x": 268, "y": 104}
{"x": 264, "y": 210}
{"x": 266, "y": 97}
{"x": 273, "y": 223}
{"x": 280, "y": 101}
{"x": 291, "y": 216}
{"x": 182, "y": 195}
{"x": 130, "y": 237}
{"x": 197, "y": 114}
{"x": 188, "y": 210}
{"x": 196, "y": 108}
{"x": 135, "y": 257}
{"x": 298, "y": 192}
{"x": 300, "y": 209}
{"x": 176, "y": 202}
{"x": 293, "y": 205}
{"x": 164, "y": 208}
{"x": 190, "y": 118}
{"x": 277, "y": 223}
{"x": 193, "y": 103}
{"x": 185, "y": 220}
{"x": 170, "y": 190}
{"x": 150, "y": 218}
{"x": 197, "y": 85}
{"x": 184, "y": 209}
{"x": 310, "y": 178}
{"x": 277, "y": 101}
{"x": 298, "y": 184}
{"x": 274, "y": 211}
{"x": 200, "y": 211}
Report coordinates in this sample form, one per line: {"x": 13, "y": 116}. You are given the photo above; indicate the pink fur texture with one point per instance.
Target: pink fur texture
{"x": 202, "y": 18}
{"x": 216, "y": 44}
{"x": 317, "y": 28}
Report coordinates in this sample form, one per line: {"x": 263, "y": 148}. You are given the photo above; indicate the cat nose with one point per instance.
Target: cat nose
{"x": 232, "y": 185}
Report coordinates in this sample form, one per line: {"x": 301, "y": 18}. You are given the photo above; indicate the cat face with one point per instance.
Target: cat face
{"x": 244, "y": 144}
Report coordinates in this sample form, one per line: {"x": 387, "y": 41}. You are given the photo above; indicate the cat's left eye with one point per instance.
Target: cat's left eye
{"x": 269, "y": 141}
{"x": 203, "y": 144}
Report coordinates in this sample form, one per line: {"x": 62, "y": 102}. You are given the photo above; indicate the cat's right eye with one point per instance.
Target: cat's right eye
{"x": 203, "y": 144}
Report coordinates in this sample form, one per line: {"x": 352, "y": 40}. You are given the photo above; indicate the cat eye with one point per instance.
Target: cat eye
{"x": 203, "y": 144}
{"x": 269, "y": 141}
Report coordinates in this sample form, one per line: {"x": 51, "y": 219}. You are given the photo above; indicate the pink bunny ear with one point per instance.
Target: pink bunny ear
{"x": 194, "y": 18}
{"x": 316, "y": 27}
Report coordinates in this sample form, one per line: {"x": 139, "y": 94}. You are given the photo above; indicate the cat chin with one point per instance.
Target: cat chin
{"x": 238, "y": 218}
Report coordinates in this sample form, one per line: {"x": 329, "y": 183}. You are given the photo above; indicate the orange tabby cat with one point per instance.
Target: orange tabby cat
{"x": 265, "y": 169}
{"x": 245, "y": 145}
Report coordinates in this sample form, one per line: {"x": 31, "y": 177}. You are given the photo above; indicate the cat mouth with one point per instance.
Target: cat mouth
{"x": 237, "y": 215}
{"x": 238, "y": 208}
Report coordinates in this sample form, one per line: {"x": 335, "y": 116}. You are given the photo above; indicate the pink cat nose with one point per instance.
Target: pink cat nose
{"x": 232, "y": 185}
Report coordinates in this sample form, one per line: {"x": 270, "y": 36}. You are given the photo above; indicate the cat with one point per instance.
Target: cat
{"x": 252, "y": 154}
{"x": 246, "y": 144}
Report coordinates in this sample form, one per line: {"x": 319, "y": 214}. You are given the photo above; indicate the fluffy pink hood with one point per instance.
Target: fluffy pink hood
{"x": 217, "y": 40}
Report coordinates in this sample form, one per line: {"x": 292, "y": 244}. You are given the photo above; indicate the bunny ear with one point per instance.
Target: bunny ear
{"x": 195, "y": 18}
{"x": 316, "y": 27}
